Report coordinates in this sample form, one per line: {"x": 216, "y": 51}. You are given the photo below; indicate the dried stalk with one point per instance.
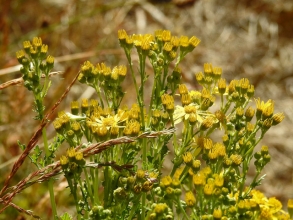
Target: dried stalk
{"x": 35, "y": 138}
{"x": 54, "y": 169}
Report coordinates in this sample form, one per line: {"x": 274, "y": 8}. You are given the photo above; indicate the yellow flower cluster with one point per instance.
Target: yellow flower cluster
{"x": 72, "y": 162}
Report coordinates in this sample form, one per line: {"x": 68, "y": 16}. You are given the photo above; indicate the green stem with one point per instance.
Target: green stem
{"x": 181, "y": 209}
{"x": 50, "y": 183}
{"x": 96, "y": 186}
{"x": 89, "y": 186}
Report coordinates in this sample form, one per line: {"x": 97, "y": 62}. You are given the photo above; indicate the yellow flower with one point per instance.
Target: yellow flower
{"x": 208, "y": 189}
{"x": 166, "y": 181}
{"x": 187, "y": 158}
{"x": 278, "y": 118}
{"x": 111, "y": 120}
{"x": 217, "y": 214}
{"x": 198, "y": 179}
{"x": 64, "y": 160}
{"x": 183, "y": 113}
{"x": 160, "y": 208}
{"x": 190, "y": 199}
{"x": 265, "y": 109}
{"x": 178, "y": 172}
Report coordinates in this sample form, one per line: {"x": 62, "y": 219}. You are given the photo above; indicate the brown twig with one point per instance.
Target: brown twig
{"x": 54, "y": 169}
{"x": 35, "y": 138}
{"x": 20, "y": 80}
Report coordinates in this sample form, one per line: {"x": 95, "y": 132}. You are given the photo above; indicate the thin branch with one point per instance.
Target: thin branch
{"x": 35, "y": 138}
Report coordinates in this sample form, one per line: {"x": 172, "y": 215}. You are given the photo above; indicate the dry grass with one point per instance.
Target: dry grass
{"x": 252, "y": 40}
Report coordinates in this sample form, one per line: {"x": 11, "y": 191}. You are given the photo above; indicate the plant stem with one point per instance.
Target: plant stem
{"x": 50, "y": 183}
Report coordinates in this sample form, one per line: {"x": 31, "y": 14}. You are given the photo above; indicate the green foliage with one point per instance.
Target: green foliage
{"x": 117, "y": 162}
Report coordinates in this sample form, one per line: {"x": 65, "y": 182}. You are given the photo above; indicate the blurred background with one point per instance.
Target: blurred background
{"x": 251, "y": 39}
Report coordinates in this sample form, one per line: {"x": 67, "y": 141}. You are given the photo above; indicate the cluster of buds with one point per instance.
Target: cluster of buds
{"x": 170, "y": 188}
{"x": 162, "y": 43}
{"x": 161, "y": 211}
{"x": 33, "y": 65}
{"x": 89, "y": 119}
{"x": 141, "y": 182}
{"x": 105, "y": 81}
{"x": 262, "y": 157}
{"x": 99, "y": 212}
{"x": 159, "y": 119}
{"x": 72, "y": 163}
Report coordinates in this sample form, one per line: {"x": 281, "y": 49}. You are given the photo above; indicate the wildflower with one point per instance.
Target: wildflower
{"x": 79, "y": 156}
{"x": 213, "y": 155}
{"x": 231, "y": 87}
{"x": 147, "y": 186}
{"x": 111, "y": 121}
{"x": 57, "y": 123}
{"x": 140, "y": 174}
{"x": 217, "y": 214}
{"x": 37, "y": 42}
{"x": 166, "y": 35}
{"x": 71, "y": 153}
{"x": 244, "y": 84}
{"x": 217, "y": 72}
{"x": 265, "y": 109}
{"x": 207, "y": 123}
{"x": 50, "y": 62}
{"x": 182, "y": 89}
{"x": 64, "y": 161}
{"x": 290, "y": 207}
{"x": 225, "y": 139}
{"x": 227, "y": 162}
{"x": 219, "y": 180}
{"x": 137, "y": 188}
{"x": 208, "y": 68}
{"x": 207, "y": 143}
{"x": 183, "y": 113}
{"x": 74, "y": 107}
{"x": 268, "y": 110}
{"x": 239, "y": 112}
{"x": 278, "y": 118}
{"x": 187, "y": 158}
{"x": 167, "y": 47}
{"x": 185, "y": 99}
{"x": 20, "y": 55}
{"x": 176, "y": 183}
{"x": 184, "y": 42}
{"x": 70, "y": 134}
{"x": 267, "y": 124}
{"x": 33, "y": 52}
{"x": 27, "y": 45}
{"x": 236, "y": 159}
{"x": 160, "y": 208}
{"x": 166, "y": 181}
{"x": 250, "y": 91}
{"x": 222, "y": 86}
{"x": 175, "y": 42}
{"x": 168, "y": 102}
{"x": 190, "y": 199}
{"x": 249, "y": 113}
{"x": 84, "y": 105}
{"x": 208, "y": 189}
{"x": 120, "y": 194}
{"x": 193, "y": 42}
{"x": 199, "y": 77}
{"x": 198, "y": 179}
{"x": 178, "y": 172}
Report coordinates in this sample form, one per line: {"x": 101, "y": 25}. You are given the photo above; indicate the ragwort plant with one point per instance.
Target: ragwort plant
{"x": 115, "y": 162}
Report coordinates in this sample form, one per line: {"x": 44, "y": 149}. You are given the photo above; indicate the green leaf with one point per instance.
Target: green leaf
{"x": 22, "y": 146}
{"x": 164, "y": 151}
{"x": 66, "y": 216}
